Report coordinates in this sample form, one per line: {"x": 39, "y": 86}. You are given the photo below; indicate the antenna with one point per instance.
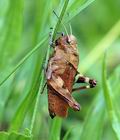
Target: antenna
{"x": 70, "y": 29}
{"x": 61, "y": 22}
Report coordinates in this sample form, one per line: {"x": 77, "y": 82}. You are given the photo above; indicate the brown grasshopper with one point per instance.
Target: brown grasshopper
{"x": 60, "y": 73}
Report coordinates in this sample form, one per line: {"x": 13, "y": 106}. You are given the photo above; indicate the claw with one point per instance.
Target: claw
{"x": 93, "y": 83}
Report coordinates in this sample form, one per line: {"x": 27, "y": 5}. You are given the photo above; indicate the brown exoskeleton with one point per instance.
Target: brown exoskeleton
{"x": 61, "y": 72}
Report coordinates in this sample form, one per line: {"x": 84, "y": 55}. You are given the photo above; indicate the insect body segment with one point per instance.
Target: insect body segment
{"x": 60, "y": 74}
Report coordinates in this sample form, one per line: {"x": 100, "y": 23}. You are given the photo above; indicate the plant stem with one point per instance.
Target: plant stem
{"x": 60, "y": 19}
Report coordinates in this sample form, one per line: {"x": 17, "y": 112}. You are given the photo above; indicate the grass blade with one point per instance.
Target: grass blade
{"x": 60, "y": 19}
{"x": 23, "y": 60}
{"x": 55, "y": 129}
{"x": 13, "y": 136}
{"x": 20, "y": 114}
{"x": 36, "y": 103}
{"x": 74, "y": 9}
{"x": 109, "y": 102}
{"x": 92, "y": 128}
{"x": 66, "y": 136}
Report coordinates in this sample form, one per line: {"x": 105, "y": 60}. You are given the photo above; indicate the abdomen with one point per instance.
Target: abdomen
{"x": 57, "y": 105}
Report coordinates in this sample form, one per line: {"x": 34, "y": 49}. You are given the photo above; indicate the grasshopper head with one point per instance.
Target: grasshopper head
{"x": 64, "y": 41}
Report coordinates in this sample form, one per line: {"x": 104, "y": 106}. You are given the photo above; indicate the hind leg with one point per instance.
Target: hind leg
{"x": 83, "y": 79}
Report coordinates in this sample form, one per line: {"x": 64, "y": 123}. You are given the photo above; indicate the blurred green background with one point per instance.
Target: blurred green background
{"x": 24, "y": 42}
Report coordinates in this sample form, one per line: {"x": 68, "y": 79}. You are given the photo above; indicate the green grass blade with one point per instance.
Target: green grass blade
{"x": 76, "y": 7}
{"x": 93, "y": 125}
{"x": 36, "y": 103}
{"x": 13, "y": 136}
{"x": 11, "y": 32}
{"x": 55, "y": 129}
{"x": 20, "y": 114}
{"x": 60, "y": 19}
{"x": 24, "y": 59}
{"x": 114, "y": 120}
{"x": 66, "y": 136}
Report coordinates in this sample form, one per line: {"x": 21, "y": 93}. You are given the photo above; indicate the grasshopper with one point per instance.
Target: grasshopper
{"x": 61, "y": 74}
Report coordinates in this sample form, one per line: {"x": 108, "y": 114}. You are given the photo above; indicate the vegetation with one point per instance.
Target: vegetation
{"x": 25, "y": 50}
